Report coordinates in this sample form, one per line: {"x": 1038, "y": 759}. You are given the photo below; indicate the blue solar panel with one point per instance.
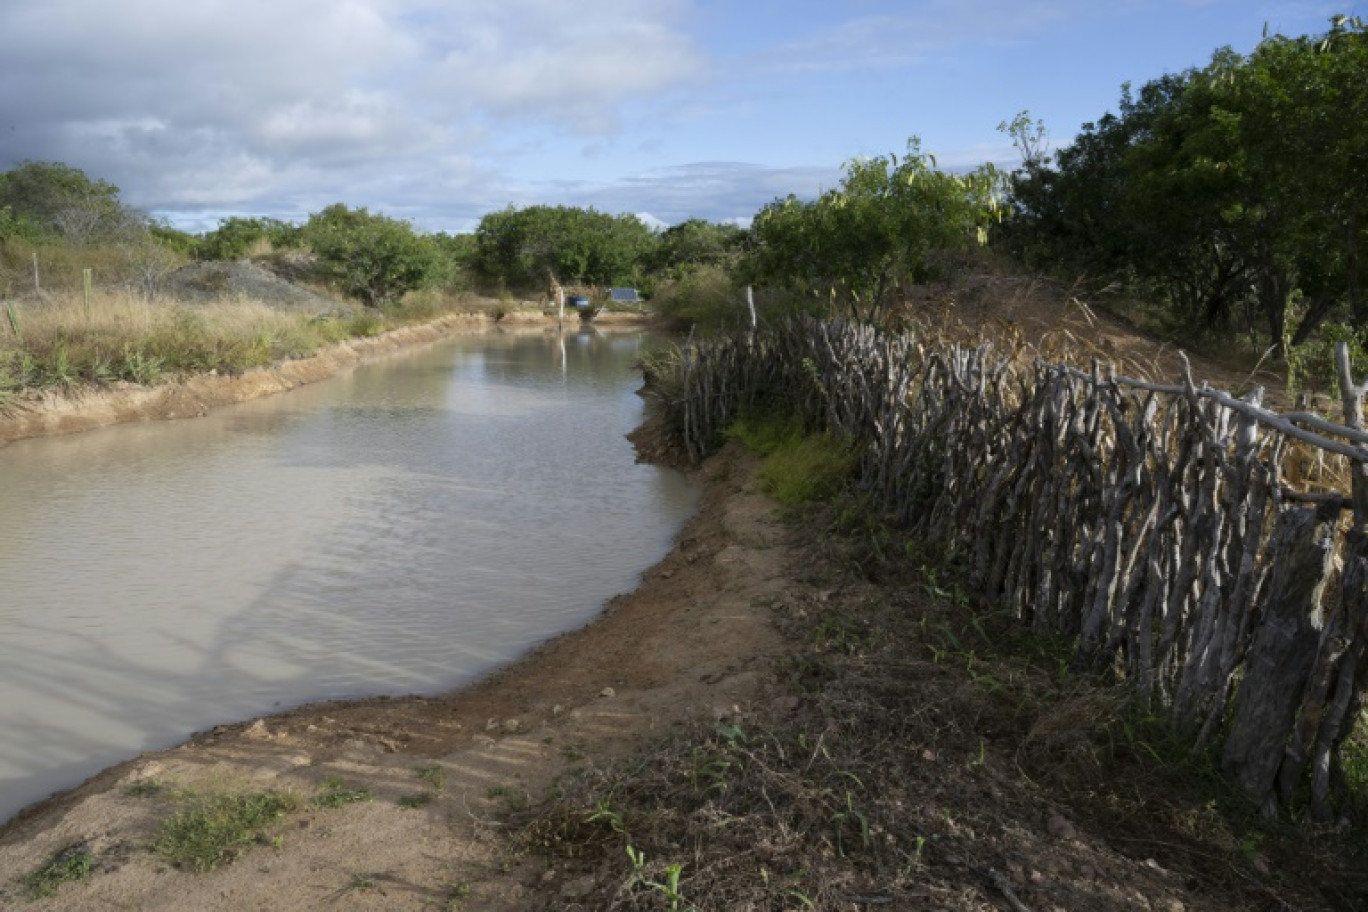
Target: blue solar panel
{"x": 625, "y": 295}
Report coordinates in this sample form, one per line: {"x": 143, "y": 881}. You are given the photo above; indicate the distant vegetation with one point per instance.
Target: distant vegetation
{"x": 1223, "y": 202}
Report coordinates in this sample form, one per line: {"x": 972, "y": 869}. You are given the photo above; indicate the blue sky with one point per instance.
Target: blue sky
{"x": 439, "y": 111}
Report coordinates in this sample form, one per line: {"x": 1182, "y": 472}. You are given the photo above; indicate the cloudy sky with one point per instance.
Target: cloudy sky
{"x": 441, "y": 110}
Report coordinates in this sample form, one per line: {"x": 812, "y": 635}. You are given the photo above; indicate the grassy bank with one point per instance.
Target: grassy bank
{"x": 119, "y": 336}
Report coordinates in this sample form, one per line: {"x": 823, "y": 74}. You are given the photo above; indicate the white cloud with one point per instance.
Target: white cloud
{"x": 191, "y": 105}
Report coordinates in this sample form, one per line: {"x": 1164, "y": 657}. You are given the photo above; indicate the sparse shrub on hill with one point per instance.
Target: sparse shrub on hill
{"x": 236, "y": 238}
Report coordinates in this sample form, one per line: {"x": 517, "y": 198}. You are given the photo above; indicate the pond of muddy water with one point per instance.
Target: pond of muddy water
{"x": 401, "y": 528}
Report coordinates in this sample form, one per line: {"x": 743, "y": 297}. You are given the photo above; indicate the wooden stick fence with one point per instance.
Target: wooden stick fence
{"x": 1151, "y": 523}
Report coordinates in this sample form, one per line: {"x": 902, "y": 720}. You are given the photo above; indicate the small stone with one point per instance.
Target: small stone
{"x": 666, "y": 574}
{"x": 510, "y": 725}
{"x": 579, "y": 887}
{"x": 491, "y": 725}
{"x": 557, "y": 710}
{"x": 1060, "y": 828}
{"x": 929, "y": 755}
{"x": 257, "y": 731}
{"x": 607, "y": 692}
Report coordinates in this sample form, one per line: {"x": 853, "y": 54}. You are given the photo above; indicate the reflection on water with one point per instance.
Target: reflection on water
{"x": 401, "y": 528}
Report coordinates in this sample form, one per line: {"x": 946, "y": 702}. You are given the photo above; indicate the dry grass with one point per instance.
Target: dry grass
{"x": 58, "y": 341}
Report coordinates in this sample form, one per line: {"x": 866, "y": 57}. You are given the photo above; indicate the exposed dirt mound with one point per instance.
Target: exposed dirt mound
{"x": 217, "y": 281}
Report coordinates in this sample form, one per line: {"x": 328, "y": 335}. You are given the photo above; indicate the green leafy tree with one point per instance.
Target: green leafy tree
{"x": 1230, "y": 193}
{"x": 696, "y": 243}
{"x": 61, "y": 200}
{"x": 890, "y": 222}
{"x": 370, "y": 256}
{"x": 523, "y": 248}
{"x": 13, "y": 226}
{"x": 456, "y": 268}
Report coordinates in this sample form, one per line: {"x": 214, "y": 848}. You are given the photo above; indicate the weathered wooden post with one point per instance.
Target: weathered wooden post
{"x": 1283, "y": 651}
{"x": 1333, "y": 695}
{"x": 1305, "y": 670}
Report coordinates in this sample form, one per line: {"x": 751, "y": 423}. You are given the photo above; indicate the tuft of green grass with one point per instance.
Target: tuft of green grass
{"x": 434, "y": 776}
{"x": 799, "y": 467}
{"x": 72, "y": 863}
{"x": 455, "y": 894}
{"x": 361, "y": 882}
{"x": 144, "y": 789}
{"x": 416, "y": 800}
{"x": 212, "y": 830}
{"x": 515, "y": 799}
{"x": 335, "y": 794}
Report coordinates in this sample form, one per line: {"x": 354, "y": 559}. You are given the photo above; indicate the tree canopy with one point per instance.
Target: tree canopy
{"x": 522, "y": 248}
{"x": 370, "y": 256}
{"x": 1232, "y": 193}
{"x": 891, "y": 222}
{"x": 58, "y": 199}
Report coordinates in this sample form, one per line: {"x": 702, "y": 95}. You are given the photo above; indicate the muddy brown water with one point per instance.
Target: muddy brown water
{"x": 401, "y": 528}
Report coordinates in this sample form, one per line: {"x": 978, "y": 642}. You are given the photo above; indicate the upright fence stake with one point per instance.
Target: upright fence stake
{"x": 1351, "y": 395}
{"x": 37, "y": 288}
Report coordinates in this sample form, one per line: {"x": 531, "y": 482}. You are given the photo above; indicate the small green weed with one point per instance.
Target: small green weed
{"x": 603, "y": 812}
{"x": 668, "y": 887}
{"x": 455, "y": 894}
{"x": 211, "y": 830}
{"x": 361, "y": 882}
{"x": 515, "y": 799}
{"x": 335, "y": 794}
{"x": 434, "y": 776}
{"x": 837, "y": 631}
{"x": 145, "y": 788}
{"x": 416, "y": 800}
{"x": 70, "y": 864}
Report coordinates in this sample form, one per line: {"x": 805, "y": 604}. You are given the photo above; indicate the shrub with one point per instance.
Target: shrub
{"x": 371, "y": 257}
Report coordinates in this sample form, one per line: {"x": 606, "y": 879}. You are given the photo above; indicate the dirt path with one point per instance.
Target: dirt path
{"x": 691, "y": 642}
